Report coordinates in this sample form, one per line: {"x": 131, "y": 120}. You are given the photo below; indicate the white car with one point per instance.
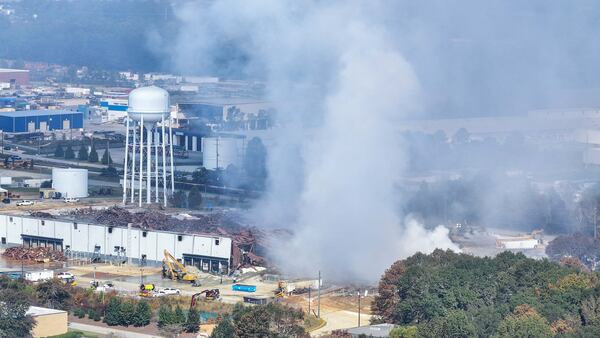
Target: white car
{"x": 65, "y": 275}
{"x": 24, "y": 203}
{"x": 71, "y": 200}
{"x": 169, "y": 291}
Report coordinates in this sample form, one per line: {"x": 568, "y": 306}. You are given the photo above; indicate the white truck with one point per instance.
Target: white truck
{"x": 38, "y": 276}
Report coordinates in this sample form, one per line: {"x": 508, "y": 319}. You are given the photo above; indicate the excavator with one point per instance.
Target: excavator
{"x": 174, "y": 270}
{"x": 280, "y": 292}
{"x": 212, "y": 294}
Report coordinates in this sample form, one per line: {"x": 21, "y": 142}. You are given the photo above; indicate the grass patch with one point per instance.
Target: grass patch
{"x": 76, "y": 334}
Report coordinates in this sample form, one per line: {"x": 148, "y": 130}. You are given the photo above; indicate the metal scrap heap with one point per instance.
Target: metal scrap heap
{"x": 38, "y": 254}
{"x": 249, "y": 242}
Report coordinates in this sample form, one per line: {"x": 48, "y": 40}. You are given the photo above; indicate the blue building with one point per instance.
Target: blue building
{"x": 29, "y": 121}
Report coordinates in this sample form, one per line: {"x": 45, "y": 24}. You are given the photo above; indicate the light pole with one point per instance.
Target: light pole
{"x": 142, "y": 277}
{"x": 358, "y": 307}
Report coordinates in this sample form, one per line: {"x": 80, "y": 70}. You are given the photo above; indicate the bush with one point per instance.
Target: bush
{"x": 79, "y": 312}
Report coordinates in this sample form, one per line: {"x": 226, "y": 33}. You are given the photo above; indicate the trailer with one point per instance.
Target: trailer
{"x": 37, "y": 276}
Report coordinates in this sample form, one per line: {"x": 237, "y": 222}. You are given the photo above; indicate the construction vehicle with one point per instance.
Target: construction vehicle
{"x": 147, "y": 287}
{"x": 174, "y": 270}
{"x": 212, "y": 294}
{"x": 281, "y": 290}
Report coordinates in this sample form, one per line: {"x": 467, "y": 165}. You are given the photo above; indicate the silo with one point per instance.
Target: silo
{"x": 220, "y": 152}
{"x": 70, "y": 182}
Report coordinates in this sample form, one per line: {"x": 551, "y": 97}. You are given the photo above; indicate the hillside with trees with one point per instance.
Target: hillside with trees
{"x": 446, "y": 294}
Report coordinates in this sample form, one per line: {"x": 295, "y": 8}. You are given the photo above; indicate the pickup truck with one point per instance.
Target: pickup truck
{"x": 24, "y": 203}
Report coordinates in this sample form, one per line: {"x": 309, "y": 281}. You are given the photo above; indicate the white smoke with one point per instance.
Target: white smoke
{"x": 342, "y": 90}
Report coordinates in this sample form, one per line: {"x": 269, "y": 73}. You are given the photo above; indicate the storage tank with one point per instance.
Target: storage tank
{"x": 70, "y": 182}
{"x": 220, "y": 152}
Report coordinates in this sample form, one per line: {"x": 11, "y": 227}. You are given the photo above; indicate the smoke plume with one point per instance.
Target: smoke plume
{"x": 342, "y": 89}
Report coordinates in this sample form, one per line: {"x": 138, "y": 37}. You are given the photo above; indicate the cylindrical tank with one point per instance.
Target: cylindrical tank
{"x": 220, "y": 152}
{"x": 70, "y": 182}
{"x": 152, "y": 102}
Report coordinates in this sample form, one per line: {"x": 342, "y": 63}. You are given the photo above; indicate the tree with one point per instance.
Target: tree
{"x": 93, "y": 157}
{"x": 387, "y": 300}
{"x": 106, "y": 159}
{"x": 113, "y": 312}
{"x": 461, "y": 136}
{"x": 143, "y": 314}
{"x": 455, "y": 324}
{"x": 13, "y": 320}
{"x": 179, "y": 199}
{"x": 82, "y": 155}
{"x": 255, "y": 161}
{"x": 224, "y": 329}
{"x": 194, "y": 198}
{"x": 53, "y": 294}
{"x": 69, "y": 153}
{"x": 59, "y": 151}
{"x": 193, "y": 321}
{"x": 178, "y": 315}
{"x": 46, "y": 184}
{"x": 166, "y": 316}
{"x": 525, "y": 322}
{"x": 404, "y": 332}
{"x": 127, "y": 313}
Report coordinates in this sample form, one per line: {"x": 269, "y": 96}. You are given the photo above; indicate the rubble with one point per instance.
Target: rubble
{"x": 249, "y": 243}
{"x": 38, "y": 254}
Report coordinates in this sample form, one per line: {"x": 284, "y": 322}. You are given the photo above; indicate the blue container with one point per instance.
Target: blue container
{"x": 243, "y": 287}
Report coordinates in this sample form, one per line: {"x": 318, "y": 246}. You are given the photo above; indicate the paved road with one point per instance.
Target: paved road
{"x": 338, "y": 320}
{"x": 107, "y": 331}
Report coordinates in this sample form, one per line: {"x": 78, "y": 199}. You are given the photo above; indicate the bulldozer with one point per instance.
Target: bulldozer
{"x": 281, "y": 292}
{"x": 210, "y": 294}
{"x": 174, "y": 270}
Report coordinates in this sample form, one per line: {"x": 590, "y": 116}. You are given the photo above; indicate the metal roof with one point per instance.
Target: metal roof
{"x": 43, "y": 112}
{"x": 7, "y": 70}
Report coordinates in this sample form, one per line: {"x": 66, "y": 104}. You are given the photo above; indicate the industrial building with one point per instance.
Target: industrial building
{"x": 48, "y": 322}
{"x": 14, "y": 76}
{"x": 28, "y": 121}
{"x": 208, "y": 253}
{"x": 115, "y": 108}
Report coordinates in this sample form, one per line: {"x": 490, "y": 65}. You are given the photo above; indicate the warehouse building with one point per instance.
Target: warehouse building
{"x": 29, "y": 121}
{"x": 208, "y": 253}
{"x": 14, "y": 76}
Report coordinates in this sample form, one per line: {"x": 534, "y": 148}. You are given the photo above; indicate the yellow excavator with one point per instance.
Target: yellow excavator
{"x": 174, "y": 270}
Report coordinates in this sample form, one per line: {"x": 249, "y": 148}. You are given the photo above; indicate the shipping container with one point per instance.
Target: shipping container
{"x": 243, "y": 287}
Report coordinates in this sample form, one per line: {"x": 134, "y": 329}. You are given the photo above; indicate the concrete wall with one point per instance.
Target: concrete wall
{"x": 83, "y": 237}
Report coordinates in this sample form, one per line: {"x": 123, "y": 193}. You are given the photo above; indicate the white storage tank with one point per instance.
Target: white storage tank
{"x": 220, "y": 152}
{"x": 70, "y": 182}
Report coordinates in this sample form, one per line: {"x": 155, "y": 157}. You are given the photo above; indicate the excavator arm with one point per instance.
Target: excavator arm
{"x": 176, "y": 269}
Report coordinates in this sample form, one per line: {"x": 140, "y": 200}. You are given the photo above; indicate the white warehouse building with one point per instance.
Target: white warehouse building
{"x": 208, "y": 253}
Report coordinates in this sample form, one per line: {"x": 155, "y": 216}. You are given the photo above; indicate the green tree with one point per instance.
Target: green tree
{"x": 455, "y": 324}
{"x": 113, "y": 312}
{"x": 143, "y": 314}
{"x": 179, "y": 316}
{"x": 93, "y": 157}
{"x": 53, "y": 294}
{"x": 194, "y": 198}
{"x": 193, "y": 321}
{"x": 404, "y": 332}
{"x": 13, "y": 320}
{"x": 127, "y": 313}
{"x": 166, "y": 316}
{"x": 525, "y": 322}
{"x": 106, "y": 159}
{"x": 224, "y": 329}
{"x": 82, "y": 155}
{"x": 69, "y": 153}
{"x": 59, "y": 151}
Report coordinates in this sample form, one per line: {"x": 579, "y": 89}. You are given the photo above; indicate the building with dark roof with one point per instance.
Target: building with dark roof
{"x": 14, "y": 76}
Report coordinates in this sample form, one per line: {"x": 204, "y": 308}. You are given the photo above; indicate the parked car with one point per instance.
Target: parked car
{"x": 169, "y": 291}
{"x": 24, "y": 203}
{"x": 6, "y": 200}
{"x": 71, "y": 200}
{"x": 6, "y": 147}
{"x": 65, "y": 275}
{"x": 15, "y": 157}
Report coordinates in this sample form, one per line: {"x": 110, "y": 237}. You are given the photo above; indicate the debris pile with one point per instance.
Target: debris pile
{"x": 39, "y": 254}
{"x": 249, "y": 242}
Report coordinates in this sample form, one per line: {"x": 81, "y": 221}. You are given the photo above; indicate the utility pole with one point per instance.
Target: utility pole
{"x": 595, "y": 222}
{"x": 319, "y": 297}
{"x": 142, "y": 277}
{"x": 309, "y": 300}
{"x": 358, "y": 307}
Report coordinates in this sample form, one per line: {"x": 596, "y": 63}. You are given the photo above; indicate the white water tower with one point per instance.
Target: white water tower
{"x": 147, "y": 107}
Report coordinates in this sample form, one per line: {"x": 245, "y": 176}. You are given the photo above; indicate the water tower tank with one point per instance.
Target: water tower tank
{"x": 152, "y": 102}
